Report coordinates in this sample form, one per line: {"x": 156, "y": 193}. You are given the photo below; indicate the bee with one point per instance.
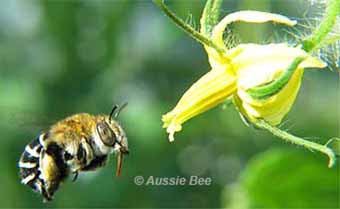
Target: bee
{"x": 81, "y": 142}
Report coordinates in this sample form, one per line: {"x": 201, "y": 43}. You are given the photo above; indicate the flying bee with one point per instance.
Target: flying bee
{"x": 81, "y": 142}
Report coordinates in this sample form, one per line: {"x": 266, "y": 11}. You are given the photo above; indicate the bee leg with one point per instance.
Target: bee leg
{"x": 84, "y": 153}
{"x": 75, "y": 177}
{"x": 53, "y": 169}
{"x": 96, "y": 163}
{"x": 46, "y": 196}
{"x": 50, "y": 175}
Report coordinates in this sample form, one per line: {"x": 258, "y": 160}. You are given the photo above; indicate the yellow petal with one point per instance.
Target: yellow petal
{"x": 260, "y": 64}
{"x": 247, "y": 16}
{"x": 210, "y": 90}
{"x": 277, "y": 106}
{"x": 256, "y": 64}
{"x": 215, "y": 59}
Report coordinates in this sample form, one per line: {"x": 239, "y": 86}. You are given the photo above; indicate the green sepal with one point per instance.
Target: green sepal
{"x": 210, "y": 16}
{"x": 270, "y": 89}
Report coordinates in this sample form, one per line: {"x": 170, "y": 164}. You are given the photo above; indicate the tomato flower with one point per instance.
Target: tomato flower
{"x": 261, "y": 80}
{"x": 240, "y": 69}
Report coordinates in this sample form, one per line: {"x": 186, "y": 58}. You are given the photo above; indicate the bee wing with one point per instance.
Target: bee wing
{"x": 26, "y": 121}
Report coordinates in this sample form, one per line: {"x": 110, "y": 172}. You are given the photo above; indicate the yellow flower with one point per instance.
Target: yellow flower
{"x": 240, "y": 69}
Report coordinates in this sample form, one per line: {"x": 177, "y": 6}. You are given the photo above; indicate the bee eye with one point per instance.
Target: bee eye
{"x": 106, "y": 134}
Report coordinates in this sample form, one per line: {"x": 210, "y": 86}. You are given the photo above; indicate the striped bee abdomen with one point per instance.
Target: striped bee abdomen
{"x": 29, "y": 165}
{"x": 42, "y": 166}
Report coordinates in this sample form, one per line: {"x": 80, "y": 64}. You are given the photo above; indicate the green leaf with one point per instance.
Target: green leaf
{"x": 281, "y": 178}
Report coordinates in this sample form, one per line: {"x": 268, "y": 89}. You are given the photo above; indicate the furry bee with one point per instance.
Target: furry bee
{"x": 81, "y": 142}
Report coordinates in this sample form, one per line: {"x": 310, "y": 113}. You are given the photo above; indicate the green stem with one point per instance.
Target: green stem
{"x": 297, "y": 140}
{"x": 326, "y": 25}
{"x": 187, "y": 28}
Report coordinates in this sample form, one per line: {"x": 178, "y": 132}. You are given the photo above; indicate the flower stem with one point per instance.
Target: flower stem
{"x": 187, "y": 28}
{"x": 297, "y": 140}
{"x": 332, "y": 11}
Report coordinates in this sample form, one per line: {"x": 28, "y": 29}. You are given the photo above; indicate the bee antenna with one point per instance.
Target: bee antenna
{"x": 120, "y": 109}
{"x": 113, "y": 111}
{"x": 116, "y": 110}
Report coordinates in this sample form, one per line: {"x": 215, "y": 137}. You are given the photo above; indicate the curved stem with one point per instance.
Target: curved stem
{"x": 298, "y": 141}
{"x": 187, "y": 28}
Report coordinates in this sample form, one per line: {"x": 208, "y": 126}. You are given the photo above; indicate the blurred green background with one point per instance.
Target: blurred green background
{"x": 63, "y": 57}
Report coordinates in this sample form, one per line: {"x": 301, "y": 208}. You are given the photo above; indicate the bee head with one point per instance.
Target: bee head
{"x": 112, "y": 134}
